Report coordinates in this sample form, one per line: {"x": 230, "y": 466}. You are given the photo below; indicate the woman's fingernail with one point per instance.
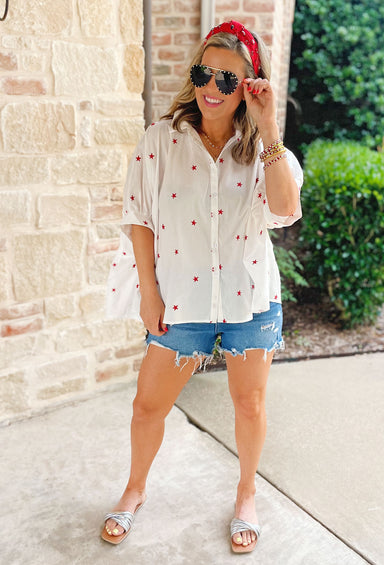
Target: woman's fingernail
{"x": 254, "y": 92}
{"x": 249, "y": 89}
{"x": 165, "y": 329}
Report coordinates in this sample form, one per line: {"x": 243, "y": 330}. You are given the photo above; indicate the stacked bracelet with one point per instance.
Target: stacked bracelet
{"x": 274, "y": 148}
{"x": 283, "y": 156}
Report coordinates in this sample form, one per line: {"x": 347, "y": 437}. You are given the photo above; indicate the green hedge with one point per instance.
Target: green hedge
{"x": 337, "y": 69}
{"x": 343, "y": 227}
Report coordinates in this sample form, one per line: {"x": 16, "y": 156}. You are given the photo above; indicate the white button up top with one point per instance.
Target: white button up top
{"x": 214, "y": 258}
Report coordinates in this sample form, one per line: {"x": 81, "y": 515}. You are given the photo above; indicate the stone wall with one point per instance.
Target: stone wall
{"x": 176, "y": 34}
{"x": 71, "y": 111}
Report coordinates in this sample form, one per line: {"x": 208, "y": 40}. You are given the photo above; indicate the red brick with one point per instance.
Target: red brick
{"x": 112, "y": 372}
{"x": 8, "y": 62}
{"x": 169, "y": 22}
{"x": 20, "y": 86}
{"x": 186, "y": 38}
{"x": 168, "y": 85}
{"x": 171, "y": 54}
{"x": 21, "y": 310}
{"x": 103, "y": 246}
{"x": 21, "y": 327}
{"x": 161, "y": 39}
{"x": 187, "y": 6}
{"x": 227, "y": 6}
{"x": 194, "y": 21}
{"x": 180, "y": 70}
{"x": 267, "y": 38}
{"x": 259, "y": 6}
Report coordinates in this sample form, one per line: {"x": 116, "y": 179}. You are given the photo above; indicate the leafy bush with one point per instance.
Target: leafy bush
{"x": 337, "y": 69}
{"x": 343, "y": 227}
{"x": 290, "y": 271}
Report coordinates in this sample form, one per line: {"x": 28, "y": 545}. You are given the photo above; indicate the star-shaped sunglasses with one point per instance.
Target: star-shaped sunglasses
{"x": 226, "y": 81}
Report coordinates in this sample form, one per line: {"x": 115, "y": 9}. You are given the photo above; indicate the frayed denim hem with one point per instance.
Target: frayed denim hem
{"x": 278, "y": 346}
{"x": 202, "y": 359}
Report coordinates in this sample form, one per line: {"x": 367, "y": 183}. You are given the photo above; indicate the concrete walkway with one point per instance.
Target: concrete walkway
{"x": 60, "y": 472}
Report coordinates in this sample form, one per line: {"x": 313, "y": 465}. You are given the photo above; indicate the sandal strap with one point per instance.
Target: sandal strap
{"x": 124, "y": 519}
{"x": 238, "y": 526}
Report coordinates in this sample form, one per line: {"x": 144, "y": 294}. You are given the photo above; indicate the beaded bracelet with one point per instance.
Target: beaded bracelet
{"x": 272, "y": 149}
{"x": 284, "y": 156}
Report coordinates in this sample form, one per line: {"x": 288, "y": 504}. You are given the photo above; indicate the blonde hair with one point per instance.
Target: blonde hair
{"x": 185, "y": 108}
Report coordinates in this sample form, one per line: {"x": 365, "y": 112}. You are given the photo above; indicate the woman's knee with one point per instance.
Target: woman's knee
{"x": 148, "y": 409}
{"x": 250, "y": 405}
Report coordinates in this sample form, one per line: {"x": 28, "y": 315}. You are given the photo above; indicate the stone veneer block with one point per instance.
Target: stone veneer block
{"x": 97, "y": 18}
{"x": 119, "y": 130}
{"x": 13, "y": 398}
{"x": 15, "y": 207}
{"x": 89, "y": 167}
{"x": 115, "y": 105}
{"x": 48, "y": 263}
{"x": 61, "y": 370}
{"x": 39, "y": 18}
{"x": 15, "y": 171}
{"x": 57, "y": 210}
{"x": 99, "y": 266}
{"x": 60, "y": 308}
{"x": 81, "y": 70}
{"x": 4, "y": 283}
{"x": 131, "y": 21}
{"x": 92, "y": 304}
{"x": 93, "y": 334}
{"x": 133, "y": 69}
{"x": 38, "y": 127}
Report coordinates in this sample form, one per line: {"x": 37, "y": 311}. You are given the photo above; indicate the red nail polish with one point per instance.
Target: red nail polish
{"x": 254, "y": 92}
{"x": 249, "y": 89}
{"x": 165, "y": 329}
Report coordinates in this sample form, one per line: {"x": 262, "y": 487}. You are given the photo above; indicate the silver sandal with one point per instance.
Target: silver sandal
{"x": 125, "y": 520}
{"x": 238, "y": 526}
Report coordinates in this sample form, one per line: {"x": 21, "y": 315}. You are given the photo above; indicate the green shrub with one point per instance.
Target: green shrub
{"x": 290, "y": 271}
{"x": 337, "y": 69}
{"x": 343, "y": 227}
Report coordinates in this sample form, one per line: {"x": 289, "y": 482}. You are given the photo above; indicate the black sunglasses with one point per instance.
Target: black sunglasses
{"x": 226, "y": 81}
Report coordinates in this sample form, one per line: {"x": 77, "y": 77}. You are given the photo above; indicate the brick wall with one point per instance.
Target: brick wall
{"x": 176, "y": 34}
{"x": 70, "y": 114}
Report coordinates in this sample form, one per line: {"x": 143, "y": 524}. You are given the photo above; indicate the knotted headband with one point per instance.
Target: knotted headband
{"x": 243, "y": 35}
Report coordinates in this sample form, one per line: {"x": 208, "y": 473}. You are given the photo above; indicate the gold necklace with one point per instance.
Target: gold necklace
{"x": 209, "y": 140}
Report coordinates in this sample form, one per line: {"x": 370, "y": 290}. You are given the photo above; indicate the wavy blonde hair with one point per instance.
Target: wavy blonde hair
{"x": 185, "y": 108}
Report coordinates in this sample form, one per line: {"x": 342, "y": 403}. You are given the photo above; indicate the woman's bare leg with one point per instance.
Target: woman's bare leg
{"x": 158, "y": 386}
{"x": 247, "y": 384}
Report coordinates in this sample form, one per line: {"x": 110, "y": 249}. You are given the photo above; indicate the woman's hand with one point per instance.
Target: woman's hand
{"x": 261, "y": 104}
{"x": 152, "y": 311}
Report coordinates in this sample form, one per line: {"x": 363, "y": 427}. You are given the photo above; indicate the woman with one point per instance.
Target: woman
{"x": 196, "y": 261}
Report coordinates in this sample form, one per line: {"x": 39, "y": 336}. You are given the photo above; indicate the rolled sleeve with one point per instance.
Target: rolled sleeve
{"x": 273, "y": 220}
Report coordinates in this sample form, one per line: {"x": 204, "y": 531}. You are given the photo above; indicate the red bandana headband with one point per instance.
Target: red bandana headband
{"x": 243, "y": 35}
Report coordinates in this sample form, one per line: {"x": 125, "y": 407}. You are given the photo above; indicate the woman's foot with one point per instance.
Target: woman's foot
{"x": 129, "y": 502}
{"x": 245, "y": 510}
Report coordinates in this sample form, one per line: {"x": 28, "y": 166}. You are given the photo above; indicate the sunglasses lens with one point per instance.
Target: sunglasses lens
{"x": 200, "y": 75}
{"x": 226, "y": 82}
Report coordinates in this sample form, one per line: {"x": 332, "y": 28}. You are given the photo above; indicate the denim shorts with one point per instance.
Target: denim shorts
{"x": 197, "y": 340}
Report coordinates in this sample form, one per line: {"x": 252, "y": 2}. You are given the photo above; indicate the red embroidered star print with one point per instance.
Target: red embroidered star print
{"x": 254, "y": 262}
{"x": 220, "y": 212}
{"x": 176, "y": 251}
{"x": 239, "y": 184}
{"x": 193, "y": 222}
{"x": 132, "y": 197}
{"x": 221, "y": 160}
{"x": 151, "y": 156}
{"x": 195, "y": 279}
{"x": 237, "y": 237}
{"x": 174, "y": 141}
{"x": 194, "y": 167}
{"x": 175, "y": 307}
{"x": 239, "y": 293}
{"x": 174, "y": 195}
{"x": 138, "y": 158}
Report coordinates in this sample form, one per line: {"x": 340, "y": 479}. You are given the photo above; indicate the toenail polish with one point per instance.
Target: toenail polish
{"x": 115, "y": 531}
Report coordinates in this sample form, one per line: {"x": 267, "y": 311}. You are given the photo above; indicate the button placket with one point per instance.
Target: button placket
{"x": 215, "y": 302}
